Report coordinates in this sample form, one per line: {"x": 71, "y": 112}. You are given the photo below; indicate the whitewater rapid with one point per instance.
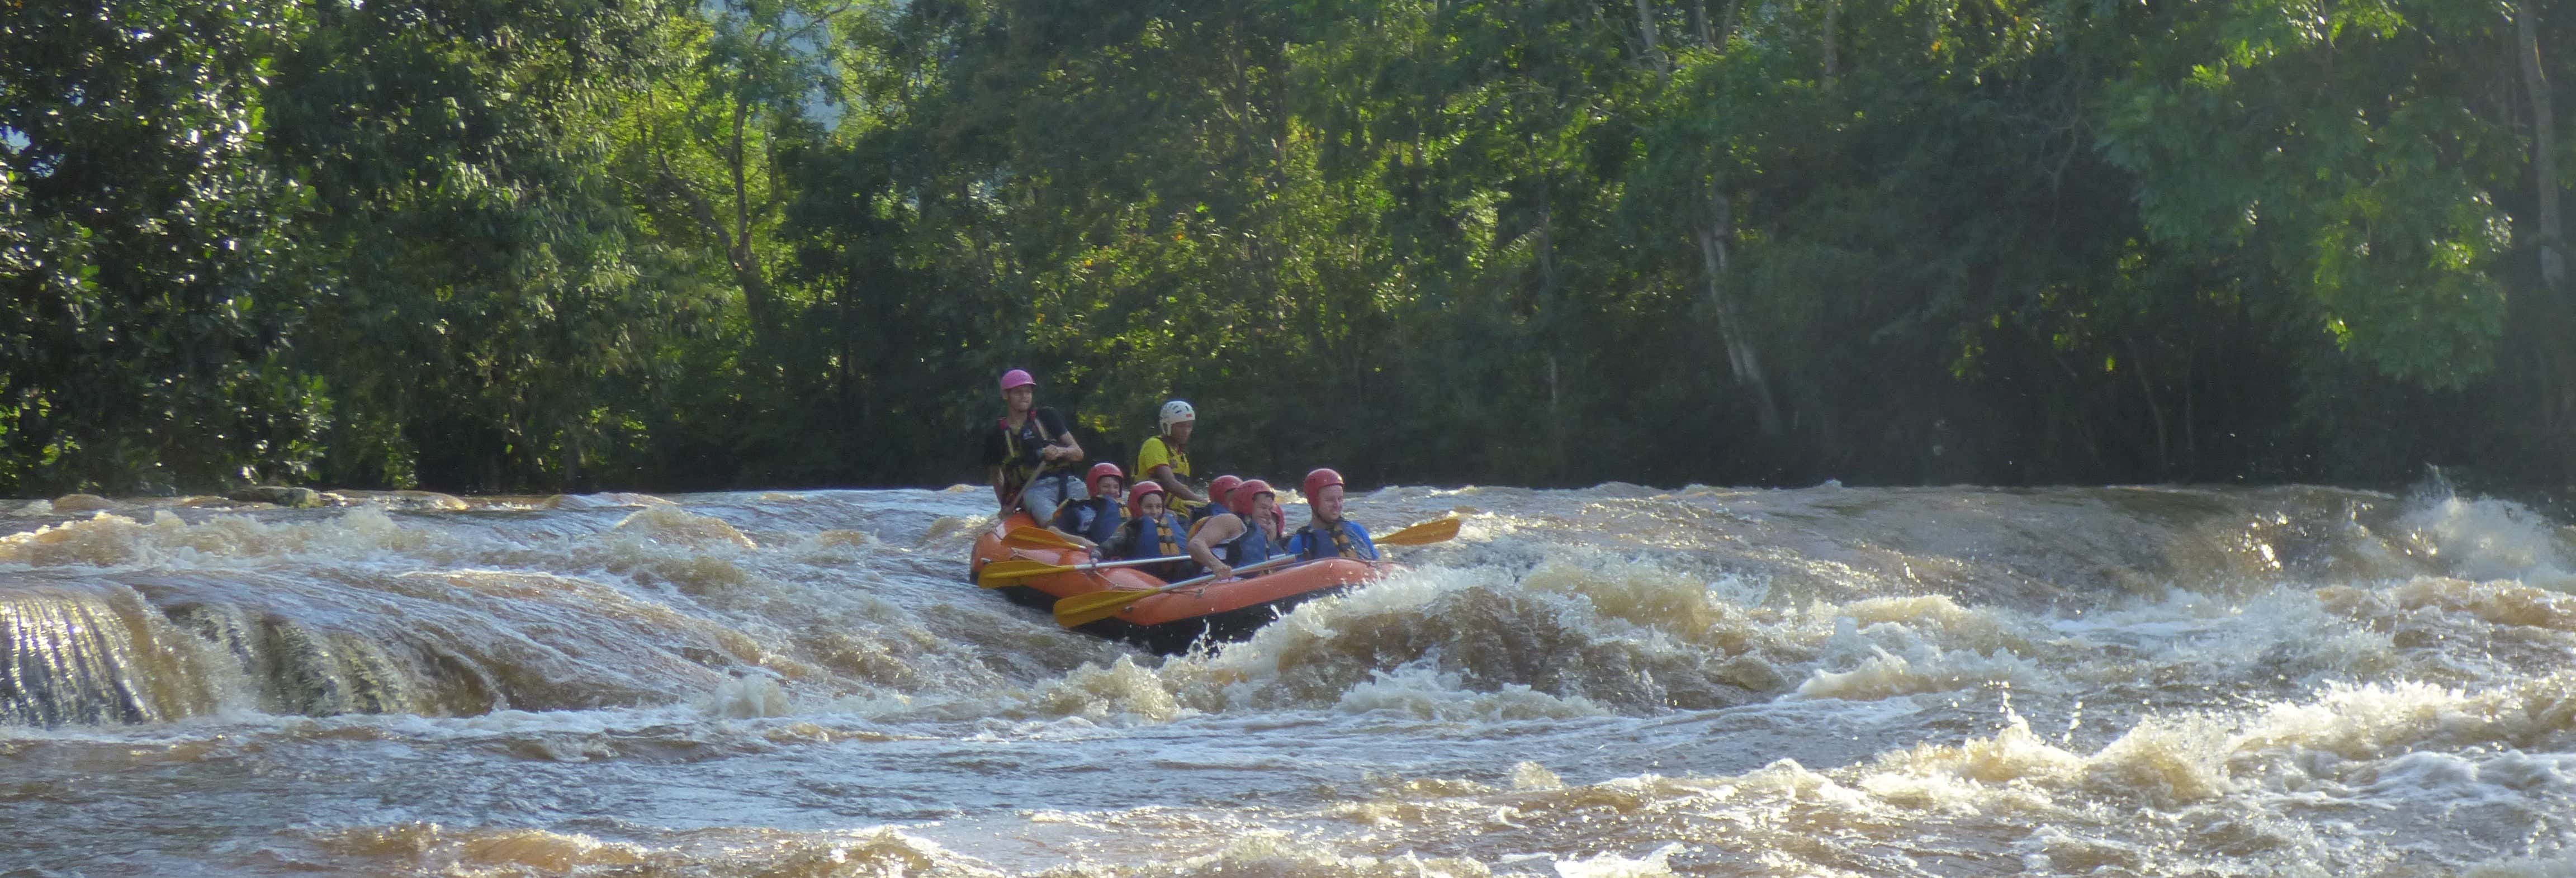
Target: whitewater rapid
{"x": 1617, "y": 681}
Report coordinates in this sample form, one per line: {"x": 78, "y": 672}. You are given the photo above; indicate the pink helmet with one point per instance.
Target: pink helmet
{"x": 1320, "y": 479}
{"x": 1017, "y": 378}
{"x": 1136, "y": 498}
{"x": 1241, "y": 500}
{"x": 1103, "y": 470}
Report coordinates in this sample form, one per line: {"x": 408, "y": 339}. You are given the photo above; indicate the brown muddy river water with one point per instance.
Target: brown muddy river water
{"x": 1600, "y": 683}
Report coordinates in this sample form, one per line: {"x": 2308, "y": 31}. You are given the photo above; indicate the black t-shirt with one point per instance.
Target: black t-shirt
{"x": 1047, "y": 426}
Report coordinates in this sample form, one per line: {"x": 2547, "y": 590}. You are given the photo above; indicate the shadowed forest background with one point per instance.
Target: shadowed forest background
{"x": 568, "y": 244}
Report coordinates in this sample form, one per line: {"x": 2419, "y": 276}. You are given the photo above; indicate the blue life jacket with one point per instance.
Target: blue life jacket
{"x": 1315, "y": 540}
{"x": 1162, "y": 537}
{"x": 1095, "y": 519}
{"x": 1154, "y": 537}
{"x": 1205, "y": 511}
{"x": 1252, "y": 546}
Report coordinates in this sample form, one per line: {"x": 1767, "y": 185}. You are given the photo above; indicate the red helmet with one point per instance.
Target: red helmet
{"x": 1017, "y": 378}
{"x": 1241, "y": 500}
{"x": 1102, "y": 470}
{"x": 1319, "y": 480}
{"x": 1222, "y": 486}
{"x": 1136, "y": 498}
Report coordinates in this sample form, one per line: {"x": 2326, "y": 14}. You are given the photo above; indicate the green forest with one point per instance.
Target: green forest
{"x": 540, "y": 245}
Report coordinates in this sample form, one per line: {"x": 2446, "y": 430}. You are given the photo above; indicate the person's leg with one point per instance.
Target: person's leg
{"x": 1040, "y": 500}
{"x": 1048, "y": 493}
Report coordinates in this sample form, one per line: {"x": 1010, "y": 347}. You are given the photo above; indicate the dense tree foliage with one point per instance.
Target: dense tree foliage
{"x": 554, "y": 244}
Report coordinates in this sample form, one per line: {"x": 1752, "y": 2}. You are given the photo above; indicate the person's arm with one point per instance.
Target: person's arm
{"x": 1173, "y": 484}
{"x": 995, "y": 473}
{"x": 1063, "y": 446}
{"x": 1203, "y": 543}
{"x": 1154, "y": 464}
{"x": 1360, "y": 534}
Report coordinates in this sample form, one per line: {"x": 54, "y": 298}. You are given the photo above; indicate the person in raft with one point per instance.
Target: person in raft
{"x": 1246, "y": 535}
{"x": 1151, "y": 531}
{"x": 1217, "y": 491}
{"x": 1030, "y": 452}
{"x": 1092, "y": 521}
{"x": 1327, "y": 534}
{"x": 1164, "y": 459}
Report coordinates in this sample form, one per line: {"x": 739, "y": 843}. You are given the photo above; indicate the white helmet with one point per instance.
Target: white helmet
{"x": 1175, "y": 412}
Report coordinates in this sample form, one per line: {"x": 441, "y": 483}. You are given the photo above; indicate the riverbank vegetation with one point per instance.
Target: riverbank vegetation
{"x": 574, "y": 244}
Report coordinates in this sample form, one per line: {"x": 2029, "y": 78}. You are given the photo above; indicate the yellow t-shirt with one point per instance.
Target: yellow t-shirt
{"x": 1154, "y": 453}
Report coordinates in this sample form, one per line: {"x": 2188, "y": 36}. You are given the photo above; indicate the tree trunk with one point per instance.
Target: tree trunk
{"x": 744, "y": 259}
{"x": 1646, "y": 32}
{"x": 2557, "y": 376}
{"x": 1833, "y": 60}
{"x": 2190, "y": 375}
{"x": 572, "y": 462}
{"x": 2156, "y": 410}
{"x": 2544, "y": 154}
{"x": 1730, "y": 332}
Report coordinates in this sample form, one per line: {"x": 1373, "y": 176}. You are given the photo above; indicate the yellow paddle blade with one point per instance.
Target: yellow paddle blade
{"x": 1422, "y": 534}
{"x": 1038, "y": 538}
{"x": 1084, "y": 609}
{"x": 1002, "y": 573}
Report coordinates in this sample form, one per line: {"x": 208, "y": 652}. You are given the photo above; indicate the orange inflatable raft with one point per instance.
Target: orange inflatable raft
{"x": 1170, "y": 622}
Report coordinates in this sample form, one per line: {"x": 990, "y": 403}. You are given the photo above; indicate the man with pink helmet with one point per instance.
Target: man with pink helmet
{"x": 1030, "y": 453}
{"x": 1327, "y": 534}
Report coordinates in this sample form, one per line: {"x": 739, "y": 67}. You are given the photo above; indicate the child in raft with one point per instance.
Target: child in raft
{"x": 1092, "y": 521}
{"x": 1215, "y": 506}
{"x": 1151, "y": 531}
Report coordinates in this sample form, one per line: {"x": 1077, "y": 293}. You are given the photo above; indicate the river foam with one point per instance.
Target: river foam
{"x": 1608, "y": 682}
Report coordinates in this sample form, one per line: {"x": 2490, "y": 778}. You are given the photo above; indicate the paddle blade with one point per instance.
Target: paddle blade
{"x": 1084, "y": 609}
{"x": 1003, "y": 573}
{"x": 1038, "y": 538}
{"x": 1422, "y": 534}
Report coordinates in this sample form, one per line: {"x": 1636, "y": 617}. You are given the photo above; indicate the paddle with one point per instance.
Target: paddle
{"x": 1080, "y": 610}
{"x": 1423, "y": 534}
{"x": 1002, "y": 573}
{"x": 1084, "y": 609}
{"x": 1038, "y": 538}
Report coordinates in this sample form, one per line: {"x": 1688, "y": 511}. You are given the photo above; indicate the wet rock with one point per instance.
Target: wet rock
{"x": 415, "y": 501}
{"x": 74, "y": 504}
{"x": 293, "y": 498}
{"x": 1752, "y": 673}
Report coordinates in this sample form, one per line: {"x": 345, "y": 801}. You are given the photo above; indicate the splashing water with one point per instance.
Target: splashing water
{"x": 1602, "y": 683}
